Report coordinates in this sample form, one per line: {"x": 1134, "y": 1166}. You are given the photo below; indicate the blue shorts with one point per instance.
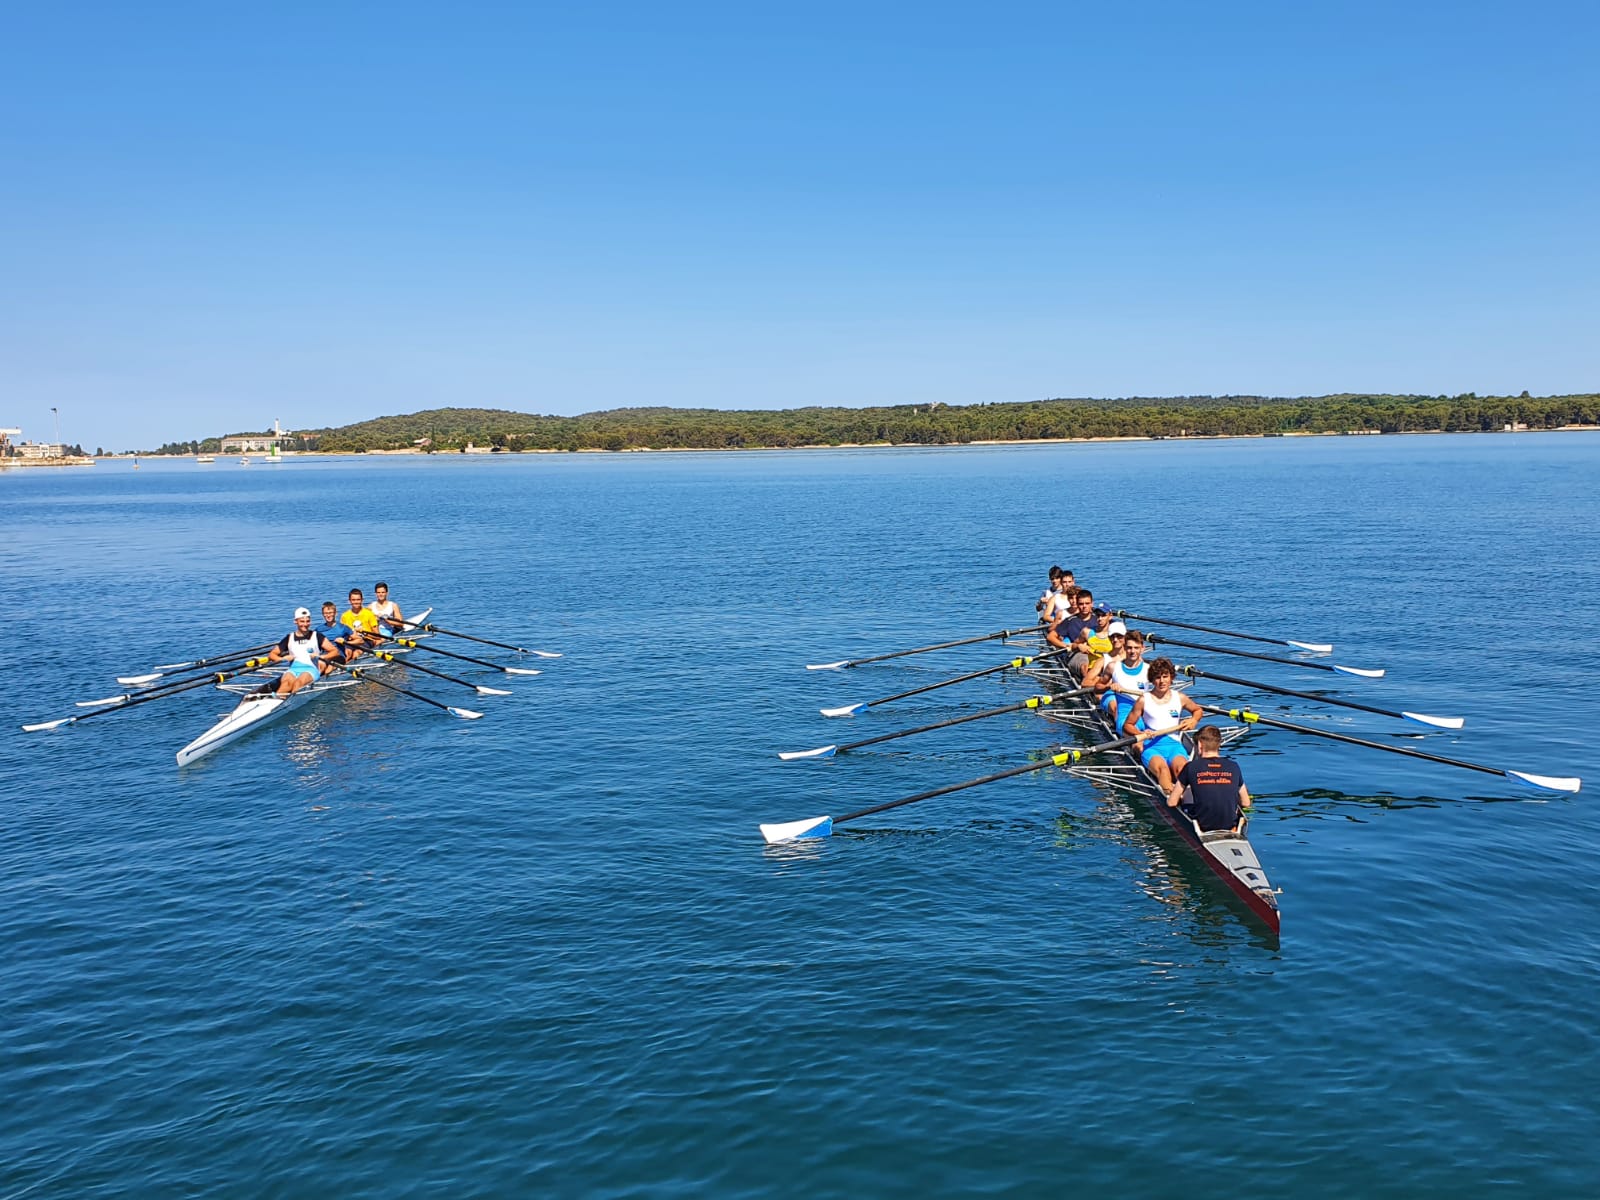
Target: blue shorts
{"x": 1166, "y": 748}
{"x": 300, "y": 668}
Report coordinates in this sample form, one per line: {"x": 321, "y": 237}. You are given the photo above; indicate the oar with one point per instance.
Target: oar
{"x": 162, "y": 689}
{"x": 1318, "y": 647}
{"x": 1553, "y": 783}
{"x": 820, "y": 827}
{"x": 1163, "y": 639}
{"x": 850, "y": 710}
{"x": 466, "y": 714}
{"x": 413, "y": 644}
{"x": 1424, "y": 718}
{"x": 846, "y": 663}
{"x": 147, "y": 697}
{"x": 386, "y": 656}
{"x": 467, "y": 637}
{"x": 158, "y": 671}
{"x": 830, "y": 751}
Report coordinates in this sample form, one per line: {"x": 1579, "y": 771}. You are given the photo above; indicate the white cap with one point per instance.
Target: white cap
{"x": 302, "y": 612}
{"x": 1116, "y": 627}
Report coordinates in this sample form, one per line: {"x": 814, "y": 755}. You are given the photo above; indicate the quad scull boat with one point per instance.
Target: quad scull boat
{"x": 257, "y": 709}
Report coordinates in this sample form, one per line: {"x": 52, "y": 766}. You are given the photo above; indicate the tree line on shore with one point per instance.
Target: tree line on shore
{"x": 449, "y": 429}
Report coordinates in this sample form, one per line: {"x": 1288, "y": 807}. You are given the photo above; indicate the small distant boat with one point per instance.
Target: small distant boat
{"x": 244, "y": 461}
{"x": 205, "y": 458}
{"x": 273, "y": 456}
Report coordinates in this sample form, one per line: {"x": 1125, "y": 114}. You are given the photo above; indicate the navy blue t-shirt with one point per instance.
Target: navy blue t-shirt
{"x": 1215, "y": 784}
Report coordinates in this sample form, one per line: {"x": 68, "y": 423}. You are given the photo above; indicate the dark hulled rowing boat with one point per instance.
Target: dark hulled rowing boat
{"x": 1229, "y": 856}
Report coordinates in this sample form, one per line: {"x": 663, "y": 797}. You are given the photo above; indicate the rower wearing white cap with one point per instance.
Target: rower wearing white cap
{"x": 308, "y": 652}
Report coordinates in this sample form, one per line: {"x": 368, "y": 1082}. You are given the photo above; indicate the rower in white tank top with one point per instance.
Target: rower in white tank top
{"x": 386, "y": 610}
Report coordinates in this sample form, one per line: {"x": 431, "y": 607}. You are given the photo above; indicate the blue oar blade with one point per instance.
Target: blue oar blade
{"x": 788, "y": 831}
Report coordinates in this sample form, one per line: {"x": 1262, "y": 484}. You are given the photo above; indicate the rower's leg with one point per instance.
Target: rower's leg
{"x": 1175, "y": 772}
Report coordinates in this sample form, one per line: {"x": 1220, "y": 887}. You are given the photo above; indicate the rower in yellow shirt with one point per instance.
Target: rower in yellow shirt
{"x": 363, "y": 625}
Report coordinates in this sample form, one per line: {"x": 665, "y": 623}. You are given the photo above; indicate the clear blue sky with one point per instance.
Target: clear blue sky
{"x": 328, "y": 212}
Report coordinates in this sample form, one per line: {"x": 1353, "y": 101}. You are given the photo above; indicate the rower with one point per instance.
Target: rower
{"x": 1084, "y": 624}
{"x": 1218, "y": 797}
{"x": 1049, "y": 592}
{"x": 1097, "y": 673}
{"x": 1056, "y": 611}
{"x": 385, "y": 609}
{"x": 1129, "y": 679}
{"x": 334, "y": 630}
{"x": 309, "y": 653}
{"x": 1158, "y": 717}
{"x": 362, "y": 624}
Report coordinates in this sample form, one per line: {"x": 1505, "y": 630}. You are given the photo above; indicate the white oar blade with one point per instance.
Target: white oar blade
{"x": 137, "y": 679}
{"x": 489, "y": 691}
{"x": 848, "y": 710}
{"x": 1551, "y": 783}
{"x": 544, "y": 653}
{"x": 466, "y": 714}
{"x": 816, "y": 827}
{"x": 1436, "y": 722}
{"x": 100, "y": 703}
{"x": 1314, "y": 647}
{"x": 521, "y": 671}
{"x": 46, "y": 725}
{"x": 819, "y": 752}
{"x": 1365, "y": 674}
{"x": 167, "y": 667}
{"x": 838, "y": 666}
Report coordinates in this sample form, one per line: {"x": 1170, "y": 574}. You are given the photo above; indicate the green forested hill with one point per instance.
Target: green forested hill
{"x": 701, "y": 428}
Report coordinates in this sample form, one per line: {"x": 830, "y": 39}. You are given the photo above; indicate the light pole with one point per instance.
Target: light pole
{"x": 57, "y": 413}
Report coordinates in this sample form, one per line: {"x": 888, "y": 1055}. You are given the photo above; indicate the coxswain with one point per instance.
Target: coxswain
{"x": 1156, "y": 720}
{"x": 308, "y": 652}
{"x": 362, "y": 623}
{"x": 1217, "y": 795}
{"x": 386, "y": 610}
{"x": 1129, "y": 678}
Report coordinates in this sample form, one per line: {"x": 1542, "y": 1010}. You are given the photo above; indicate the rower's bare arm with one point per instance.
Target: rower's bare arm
{"x": 1134, "y": 713}
{"x": 1244, "y": 796}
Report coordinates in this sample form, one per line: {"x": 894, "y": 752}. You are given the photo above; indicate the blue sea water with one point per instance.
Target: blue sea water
{"x": 378, "y": 951}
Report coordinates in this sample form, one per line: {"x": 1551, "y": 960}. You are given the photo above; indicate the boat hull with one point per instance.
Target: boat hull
{"x": 1230, "y": 857}
{"x": 255, "y": 711}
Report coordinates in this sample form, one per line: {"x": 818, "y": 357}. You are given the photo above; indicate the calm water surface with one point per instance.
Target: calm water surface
{"x": 376, "y": 951}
